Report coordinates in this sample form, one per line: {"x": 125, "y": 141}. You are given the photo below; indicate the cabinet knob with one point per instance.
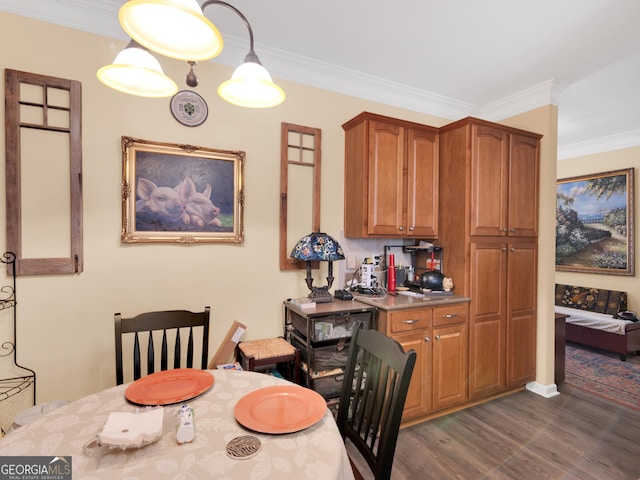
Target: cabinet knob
{"x": 437, "y": 337}
{"x": 503, "y": 230}
{"x": 513, "y": 230}
{"x": 401, "y": 228}
{"x": 504, "y": 249}
{"x": 410, "y": 322}
{"x": 513, "y": 249}
{"x": 411, "y": 229}
{"x": 427, "y": 339}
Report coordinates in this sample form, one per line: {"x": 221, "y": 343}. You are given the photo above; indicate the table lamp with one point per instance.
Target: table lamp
{"x": 318, "y": 246}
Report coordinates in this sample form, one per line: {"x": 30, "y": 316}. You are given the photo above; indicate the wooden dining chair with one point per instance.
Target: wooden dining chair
{"x": 171, "y": 323}
{"x": 376, "y": 381}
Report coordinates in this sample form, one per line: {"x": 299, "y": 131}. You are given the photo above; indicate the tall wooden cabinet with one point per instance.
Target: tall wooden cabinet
{"x": 489, "y": 224}
{"x": 391, "y": 178}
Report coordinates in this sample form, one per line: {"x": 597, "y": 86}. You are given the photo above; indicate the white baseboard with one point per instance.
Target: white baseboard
{"x": 546, "y": 391}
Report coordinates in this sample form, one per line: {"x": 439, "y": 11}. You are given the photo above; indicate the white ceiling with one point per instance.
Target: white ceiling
{"x": 487, "y": 58}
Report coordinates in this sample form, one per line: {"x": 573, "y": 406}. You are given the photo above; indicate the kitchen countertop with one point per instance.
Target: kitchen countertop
{"x": 400, "y": 302}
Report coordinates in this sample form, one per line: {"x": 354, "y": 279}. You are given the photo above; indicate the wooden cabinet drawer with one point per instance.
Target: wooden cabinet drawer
{"x": 411, "y": 319}
{"x": 450, "y": 314}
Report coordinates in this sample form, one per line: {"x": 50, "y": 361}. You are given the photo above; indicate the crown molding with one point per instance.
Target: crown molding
{"x": 337, "y": 79}
{"x": 96, "y": 17}
{"x": 544, "y": 93}
{"x": 598, "y": 145}
{"x": 99, "y": 18}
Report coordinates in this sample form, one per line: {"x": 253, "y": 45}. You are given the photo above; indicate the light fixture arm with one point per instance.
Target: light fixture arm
{"x": 251, "y": 56}
{"x": 192, "y": 79}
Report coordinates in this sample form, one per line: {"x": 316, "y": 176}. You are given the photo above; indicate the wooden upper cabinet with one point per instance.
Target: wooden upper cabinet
{"x": 489, "y": 191}
{"x": 422, "y": 183}
{"x": 386, "y": 182}
{"x": 391, "y": 178}
{"x": 523, "y": 186}
{"x": 504, "y": 197}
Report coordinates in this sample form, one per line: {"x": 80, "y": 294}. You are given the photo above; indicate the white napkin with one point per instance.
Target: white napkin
{"x": 128, "y": 429}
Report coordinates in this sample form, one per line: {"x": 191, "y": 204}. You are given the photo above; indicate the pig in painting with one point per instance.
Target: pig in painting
{"x": 200, "y": 210}
{"x": 163, "y": 202}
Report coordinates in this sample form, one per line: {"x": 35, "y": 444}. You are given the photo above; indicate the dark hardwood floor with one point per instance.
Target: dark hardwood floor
{"x": 524, "y": 436}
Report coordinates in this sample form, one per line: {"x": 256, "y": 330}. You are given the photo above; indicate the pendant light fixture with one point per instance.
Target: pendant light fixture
{"x": 136, "y": 72}
{"x": 179, "y": 29}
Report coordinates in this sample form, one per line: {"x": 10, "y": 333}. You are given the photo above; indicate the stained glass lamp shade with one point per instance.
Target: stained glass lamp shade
{"x": 318, "y": 246}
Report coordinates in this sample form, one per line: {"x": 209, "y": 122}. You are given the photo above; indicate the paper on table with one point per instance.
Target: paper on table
{"x": 128, "y": 429}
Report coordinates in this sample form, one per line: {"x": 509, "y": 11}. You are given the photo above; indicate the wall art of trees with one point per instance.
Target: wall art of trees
{"x": 592, "y": 223}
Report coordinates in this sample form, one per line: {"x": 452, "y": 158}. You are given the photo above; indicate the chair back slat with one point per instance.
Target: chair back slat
{"x": 376, "y": 381}
{"x": 151, "y": 356}
{"x": 190, "y": 349}
{"x": 164, "y": 355}
{"x": 136, "y": 358}
{"x": 177, "y": 352}
{"x": 142, "y": 328}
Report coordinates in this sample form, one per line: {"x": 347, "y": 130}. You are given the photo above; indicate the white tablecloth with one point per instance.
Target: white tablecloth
{"x": 315, "y": 453}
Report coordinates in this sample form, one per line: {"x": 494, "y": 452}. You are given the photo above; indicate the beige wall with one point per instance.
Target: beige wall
{"x": 65, "y": 322}
{"x": 597, "y": 163}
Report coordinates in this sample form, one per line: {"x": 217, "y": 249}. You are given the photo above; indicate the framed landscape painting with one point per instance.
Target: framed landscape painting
{"x": 175, "y": 193}
{"x": 594, "y": 223}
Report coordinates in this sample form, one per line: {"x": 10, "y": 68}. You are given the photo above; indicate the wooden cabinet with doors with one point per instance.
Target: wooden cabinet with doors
{"x": 488, "y": 230}
{"x": 502, "y": 328}
{"x": 521, "y": 278}
{"x": 391, "y": 178}
{"x": 504, "y": 183}
{"x": 450, "y": 340}
{"x": 438, "y": 334}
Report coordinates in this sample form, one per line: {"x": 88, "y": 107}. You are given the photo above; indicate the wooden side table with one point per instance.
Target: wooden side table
{"x": 561, "y": 327}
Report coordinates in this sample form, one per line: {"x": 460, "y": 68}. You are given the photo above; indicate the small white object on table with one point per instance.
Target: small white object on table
{"x": 315, "y": 452}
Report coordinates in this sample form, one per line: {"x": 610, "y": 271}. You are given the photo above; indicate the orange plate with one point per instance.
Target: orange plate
{"x": 280, "y": 409}
{"x": 169, "y": 386}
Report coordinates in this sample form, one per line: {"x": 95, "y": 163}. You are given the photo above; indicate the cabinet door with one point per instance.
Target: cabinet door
{"x": 449, "y": 366}
{"x": 422, "y": 183}
{"x": 385, "y": 199}
{"x": 419, "y": 395}
{"x": 487, "y": 319}
{"x": 523, "y": 186}
{"x": 489, "y": 176}
{"x": 521, "y": 319}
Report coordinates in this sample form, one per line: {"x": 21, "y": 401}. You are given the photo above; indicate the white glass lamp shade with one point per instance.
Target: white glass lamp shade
{"x": 251, "y": 86}
{"x": 136, "y": 72}
{"x": 173, "y": 28}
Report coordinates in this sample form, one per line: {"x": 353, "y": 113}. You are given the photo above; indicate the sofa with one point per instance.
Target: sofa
{"x": 591, "y": 319}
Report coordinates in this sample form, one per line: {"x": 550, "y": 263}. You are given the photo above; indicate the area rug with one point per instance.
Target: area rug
{"x": 604, "y": 374}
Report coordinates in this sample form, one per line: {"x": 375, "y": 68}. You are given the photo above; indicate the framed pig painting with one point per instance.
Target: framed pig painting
{"x": 181, "y": 193}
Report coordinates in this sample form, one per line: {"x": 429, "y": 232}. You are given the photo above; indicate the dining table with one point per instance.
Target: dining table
{"x": 311, "y": 452}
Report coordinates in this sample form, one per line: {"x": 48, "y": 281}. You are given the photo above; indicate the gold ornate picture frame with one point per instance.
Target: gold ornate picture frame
{"x": 595, "y": 223}
{"x": 174, "y": 193}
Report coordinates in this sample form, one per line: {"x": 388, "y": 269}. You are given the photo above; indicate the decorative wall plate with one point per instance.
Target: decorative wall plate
{"x": 189, "y": 108}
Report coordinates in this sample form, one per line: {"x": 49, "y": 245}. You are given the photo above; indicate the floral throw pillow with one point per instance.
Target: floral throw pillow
{"x": 591, "y": 299}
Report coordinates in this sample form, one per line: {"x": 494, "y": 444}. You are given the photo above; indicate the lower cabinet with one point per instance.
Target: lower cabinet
{"x": 449, "y": 382}
{"x": 418, "y": 398}
{"x": 502, "y": 339}
{"x": 439, "y": 335}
